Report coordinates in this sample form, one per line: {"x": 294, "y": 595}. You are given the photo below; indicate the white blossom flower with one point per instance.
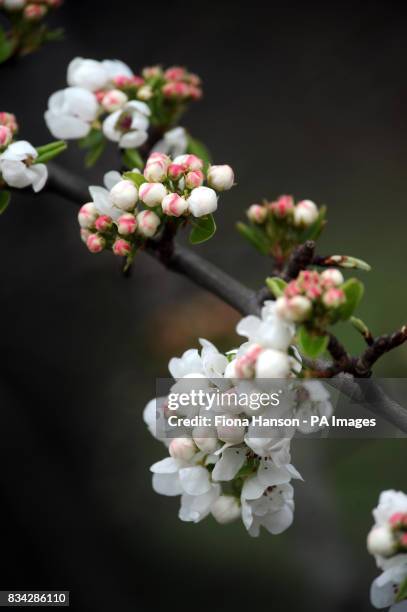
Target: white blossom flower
{"x": 18, "y": 168}
{"x": 71, "y": 112}
{"x": 209, "y": 362}
{"x": 269, "y": 331}
{"x": 314, "y": 400}
{"x": 173, "y": 143}
{"x": 271, "y": 507}
{"x": 128, "y": 126}
{"x": 93, "y": 75}
{"x": 226, "y": 509}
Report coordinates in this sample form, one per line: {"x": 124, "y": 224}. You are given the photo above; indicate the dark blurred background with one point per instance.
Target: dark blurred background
{"x": 299, "y": 98}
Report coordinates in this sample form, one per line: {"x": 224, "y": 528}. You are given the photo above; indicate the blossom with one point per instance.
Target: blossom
{"x": 18, "y": 168}
{"x": 257, "y": 213}
{"x": 221, "y": 178}
{"x": 173, "y": 143}
{"x": 128, "y": 126}
{"x": 305, "y": 213}
{"x": 226, "y": 509}
{"x": 71, "y": 112}
{"x": 93, "y": 75}
{"x": 202, "y": 201}
{"x": 271, "y": 507}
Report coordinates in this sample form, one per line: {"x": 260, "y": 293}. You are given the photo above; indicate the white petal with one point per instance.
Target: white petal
{"x": 109, "y": 127}
{"x": 141, "y": 107}
{"x": 19, "y": 151}
{"x": 66, "y": 127}
{"x": 167, "y": 466}
{"x": 15, "y": 173}
{"x": 139, "y": 122}
{"x": 196, "y": 507}
{"x": 38, "y": 175}
{"x": 167, "y": 484}
{"x": 270, "y": 475}
{"x": 111, "y": 179}
{"x": 229, "y": 464}
{"x": 195, "y": 480}
{"x": 248, "y": 326}
{"x": 279, "y": 521}
{"x": 116, "y": 68}
{"x": 252, "y": 488}
{"x": 132, "y": 140}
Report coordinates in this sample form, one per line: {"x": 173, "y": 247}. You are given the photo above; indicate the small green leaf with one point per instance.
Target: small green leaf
{"x": 360, "y": 326}
{"x": 4, "y": 200}
{"x": 137, "y": 178}
{"x": 311, "y": 345}
{"x": 353, "y": 290}
{"x": 132, "y": 159}
{"x": 402, "y": 592}
{"x": 6, "y": 46}
{"x": 346, "y": 261}
{"x": 49, "y": 151}
{"x": 94, "y": 154}
{"x": 255, "y": 236}
{"x": 91, "y": 140}
{"x": 202, "y": 229}
{"x": 196, "y": 147}
{"x": 276, "y": 285}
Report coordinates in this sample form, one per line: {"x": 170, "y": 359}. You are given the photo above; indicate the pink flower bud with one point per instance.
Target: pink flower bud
{"x": 221, "y": 178}
{"x": 182, "y": 448}
{"x": 103, "y": 223}
{"x": 126, "y": 224}
{"x": 32, "y": 12}
{"x": 292, "y": 289}
{"x": 121, "y": 247}
{"x": 174, "y": 205}
{"x": 195, "y": 92}
{"x": 152, "y": 194}
{"x": 95, "y": 243}
{"x": 189, "y": 162}
{"x": 257, "y": 213}
{"x": 296, "y": 309}
{"x": 194, "y": 179}
{"x": 398, "y": 519}
{"x": 6, "y": 136}
{"x": 85, "y": 233}
{"x": 148, "y": 223}
{"x": 157, "y": 167}
{"x": 87, "y": 215}
{"x": 113, "y": 100}
{"x": 9, "y": 120}
{"x": 175, "y": 171}
{"x": 202, "y": 201}
{"x": 245, "y": 365}
{"x": 124, "y": 195}
{"x": 283, "y": 206}
{"x": 175, "y": 73}
{"x": 305, "y": 213}
{"x": 176, "y": 89}
{"x": 100, "y": 95}
{"x": 333, "y": 298}
{"x": 331, "y": 278}
{"x": 152, "y": 71}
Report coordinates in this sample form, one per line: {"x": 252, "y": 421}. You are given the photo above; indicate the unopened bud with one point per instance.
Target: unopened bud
{"x": 87, "y": 215}
{"x": 6, "y": 136}
{"x": 182, "y": 448}
{"x": 113, "y": 100}
{"x": 156, "y": 167}
{"x": 283, "y": 206}
{"x": 95, "y": 243}
{"x": 124, "y": 195}
{"x": 32, "y": 12}
{"x": 194, "y": 179}
{"x": 333, "y": 298}
{"x": 152, "y": 194}
{"x": 380, "y": 541}
{"x": 305, "y": 213}
{"x": 126, "y": 224}
{"x": 103, "y": 223}
{"x": 273, "y": 364}
{"x": 85, "y": 233}
{"x": 189, "y": 162}
{"x": 202, "y": 201}
{"x": 296, "y": 309}
{"x": 174, "y": 205}
{"x": 257, "y": 213}
{"x": 332, "y": 277}
{"x": 145, "y": 93}
{"x": 226, "y": 509}
{"x": 121, "y": 247}
{"x": 221, "y": 178}
{"x": 148, "y": 223}
{"x": 175, "y": 171}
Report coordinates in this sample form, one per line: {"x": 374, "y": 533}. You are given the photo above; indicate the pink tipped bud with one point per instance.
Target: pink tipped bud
{"x": 292, "y": 289}
{"x": 174, "y": 205}
{"x": 9, "y": 120}
{"x": 257, "y": 213}
{"x": 99, "y": 95}
{"x": 175, "y": 73}
{"x": 103, "y": 223}
{"x": 333, "y": 298}
{"x": 113, "y": 100}
{"x": 194, "y": 179}
{"x": 331, "y": 278}
{"x": 124, "y": 195}
{"x": 244, "y": 366}
{"x": 95, "y": 243}
{"x": 176, "y": 89}
{"x": 85, "y": 233}
{"x": 221, "y": 178}
{"x": 87, "y": 215}
{"x": 202, "y": 201}
{"x": 283, "y": 206}
{"x": 195, "y": 92}
{"x": 305, "y": 213}
{"x": 157, "y": 167}
{"x": 121, "y": 247}
{"x": 152, "y": 71}
{"x": 148, "y": 223}
{"x": 126, "y": 224}
{"x": 175, "y": 171}
{"x": 182, "y": 448}
{"x": 6, "y": 136}
{"x": 296, "y": 309}
{"x": 189, "y": 162}
{"x": 152, "y": 194}
{"x": 398, "y": 519}
{"x": 32, "y": 12}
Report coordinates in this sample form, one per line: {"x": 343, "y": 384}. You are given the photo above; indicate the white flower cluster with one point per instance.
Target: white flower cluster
{"x": 387, "y": 541}
{"x": 130, "y": 210}
{"x": 232, "y": 471}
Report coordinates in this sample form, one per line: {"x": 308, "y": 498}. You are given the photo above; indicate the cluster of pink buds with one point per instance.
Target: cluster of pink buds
{"x": 121, "y": 220}
{"x": 8, "y": 128}
{"x": 312, "y": 295}
{"x": 300, "y": 215}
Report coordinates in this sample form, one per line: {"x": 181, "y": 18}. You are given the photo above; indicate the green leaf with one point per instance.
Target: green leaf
{"x": 276, "y": 285}
{"x": 255, "y": 236}
{"x": 4, "y": 200}
{"x": 91, "y": 140}
{"x": 360, "y": 326}
{"x": 94, "y": 154}
{"x": 196, "y": 147}
{"x": 132, "y": 159}
{"x": 137, "y": 178}
{"x": 49, "y": 151}
{"x": 402, "y": 592}
{"x": 6, "y": 46}
{"x": 346, "y": 261}
{"x": 311, "y": 345}
{"x": 202, "y": 229}
{"x": 353, "y": 290}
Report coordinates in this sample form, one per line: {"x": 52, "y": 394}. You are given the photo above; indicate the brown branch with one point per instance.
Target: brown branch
{"x": 299, "y": 260}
